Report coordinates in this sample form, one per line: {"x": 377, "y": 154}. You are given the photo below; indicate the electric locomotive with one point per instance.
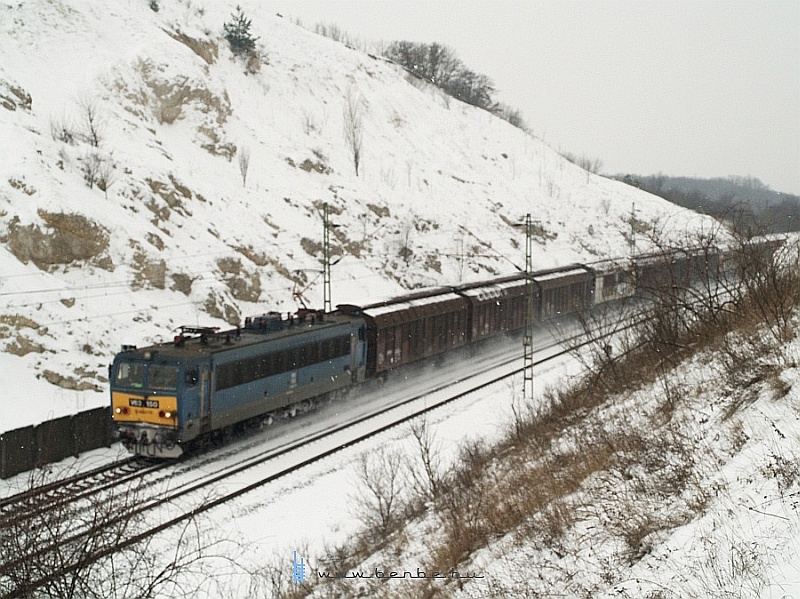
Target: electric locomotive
{"x": 168, "y": 395}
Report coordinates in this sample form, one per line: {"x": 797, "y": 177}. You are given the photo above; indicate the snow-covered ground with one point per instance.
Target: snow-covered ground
{"x": 731, "y": 530}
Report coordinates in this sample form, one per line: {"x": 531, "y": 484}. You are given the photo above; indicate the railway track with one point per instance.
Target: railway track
{"x": 32, "y": 502}
{"x": 174, "y": 506}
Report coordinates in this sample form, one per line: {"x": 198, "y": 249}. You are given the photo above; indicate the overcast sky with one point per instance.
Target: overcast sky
{"x": 684, "y": 87}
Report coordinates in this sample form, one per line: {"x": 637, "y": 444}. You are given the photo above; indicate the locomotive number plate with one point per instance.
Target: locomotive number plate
{"x": 143, "y": 403}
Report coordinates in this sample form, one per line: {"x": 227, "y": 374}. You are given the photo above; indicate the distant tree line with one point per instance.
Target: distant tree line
{"x": 746, "y": 203}
{"x": 440, "y": 66}
{"x": 592, "y": 165}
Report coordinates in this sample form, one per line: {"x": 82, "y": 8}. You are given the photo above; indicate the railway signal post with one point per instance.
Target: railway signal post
{"x": 527, "y": 339}
{"x": 326, "y": 259}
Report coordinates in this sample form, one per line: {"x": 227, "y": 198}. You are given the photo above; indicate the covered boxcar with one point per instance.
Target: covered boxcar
{"x": 496, "y": 307}
{"x": 663, "y": 270}
{"x": 613, "y": 280}
{"x": 410, "y": 328}
{"x": 563, "y": 290}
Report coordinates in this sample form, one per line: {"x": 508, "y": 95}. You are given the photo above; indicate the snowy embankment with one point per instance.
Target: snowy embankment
{"x": 672, "y": 471}
{"x": 699, "y": 500}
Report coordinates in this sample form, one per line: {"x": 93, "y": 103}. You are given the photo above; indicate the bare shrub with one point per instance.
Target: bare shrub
{"x": 785, "y": 471}
{"x": 61, "y": 129}
{"x": 309, "y": 122}
{"x": 771, "y": 275}
{"x": 353, "y": 127}
{"x": 91, "y": 164}
{"x": 98, "y": 170}
{"x": 735, "y": 567}
{"x": 69, "y": 551}
{"x": 378, "y": 502}
{"x": 462, "y": 507}
{"x": 688, "y": 300}
{"x": 427, "y": 482}
{"x": 407, "y": 226}
{"x": 244, "y": 163}
{"x": 106, "y": 175}
{"x": 555, "y": 462}
{"x": 598, "y": 354}
{"x": 274, "y": 579}
{"x": 522, "y": 413}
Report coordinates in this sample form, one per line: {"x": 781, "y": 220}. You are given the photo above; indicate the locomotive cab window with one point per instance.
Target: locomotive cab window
{"x": 191, "y": 377}
{"x": 163, "y": 377}
{"x": 130, "y": 374}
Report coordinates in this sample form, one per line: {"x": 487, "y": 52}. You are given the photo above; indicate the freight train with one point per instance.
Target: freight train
{"x": 169, "y": 396}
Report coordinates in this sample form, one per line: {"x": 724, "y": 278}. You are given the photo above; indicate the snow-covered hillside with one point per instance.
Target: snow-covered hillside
{"x": 149, "y": 178}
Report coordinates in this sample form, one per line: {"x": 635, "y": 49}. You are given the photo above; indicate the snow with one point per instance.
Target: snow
{"x": 415, "y": 303}
{"x": 743, "y": 539}
{"x": 445, "y": 180}
{"x": 579, "y": 272}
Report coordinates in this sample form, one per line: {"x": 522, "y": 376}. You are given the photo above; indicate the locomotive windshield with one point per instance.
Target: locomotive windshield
{"x": 159, "y": 376}
{"x": 163, "y": 377}
{"x": 130, "y": 374}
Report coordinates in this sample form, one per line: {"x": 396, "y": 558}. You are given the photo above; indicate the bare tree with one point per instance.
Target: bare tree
{"x": 378, "y": 500}
{"x": 91, "y": 165}
{"x": 62, "y": 129}
{"x": 512, "y": 115}
{"x": 434, "y": 62}
{"x": 590, "y": 165}
{"x": 244, "y": 163}
{"x": 92, "y": 122}
{"x": 353, "y": 126}
{"x": 334, "y": 32}
{"x": 427, "y": 483}
{"x": 77, "y": 549}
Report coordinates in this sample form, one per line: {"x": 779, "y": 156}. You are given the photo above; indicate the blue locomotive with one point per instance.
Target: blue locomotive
{"x": 168, "y": 395}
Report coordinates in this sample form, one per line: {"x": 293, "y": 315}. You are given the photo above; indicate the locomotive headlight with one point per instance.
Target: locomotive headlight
{"x": 118, "y": 410}
{"x": 167, "y": 414}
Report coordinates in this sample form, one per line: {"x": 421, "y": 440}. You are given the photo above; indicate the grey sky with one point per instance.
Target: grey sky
{"x": 683, "y": 87}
